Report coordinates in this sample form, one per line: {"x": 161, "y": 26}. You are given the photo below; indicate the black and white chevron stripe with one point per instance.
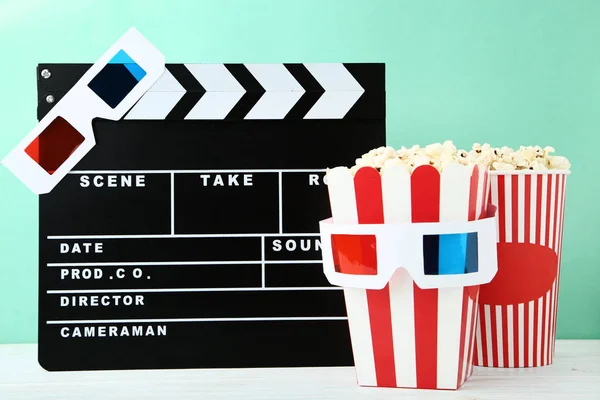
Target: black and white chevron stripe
{"x": 265, "y": 91}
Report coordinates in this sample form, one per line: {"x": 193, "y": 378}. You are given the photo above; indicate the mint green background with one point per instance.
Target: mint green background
{"x": 507, "y": 72}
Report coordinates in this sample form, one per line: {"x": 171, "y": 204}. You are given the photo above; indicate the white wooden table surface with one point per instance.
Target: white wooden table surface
{"x": 574, "y": 375}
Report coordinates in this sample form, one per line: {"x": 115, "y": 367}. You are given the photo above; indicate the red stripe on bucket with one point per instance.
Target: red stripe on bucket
{"x": 483, "y": 211}
{"x": 463, "y": 334}
{"x": 473, "y": 194}
{"x": 501, "y": 208}
{"x": 369, "y": 204}
{"x": 425, "y": 201}
{"x": 476, "y": 355}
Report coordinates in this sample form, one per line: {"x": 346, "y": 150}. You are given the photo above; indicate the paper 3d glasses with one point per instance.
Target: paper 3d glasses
{"x": 436, "y": 254}
{"x": 107, "y": 90}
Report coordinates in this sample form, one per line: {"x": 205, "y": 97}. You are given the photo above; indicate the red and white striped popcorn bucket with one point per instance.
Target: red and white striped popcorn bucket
{"x": 410, "y": 251}
{"x": 517, "y": 310}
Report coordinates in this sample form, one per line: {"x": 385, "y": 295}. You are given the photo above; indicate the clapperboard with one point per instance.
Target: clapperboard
{"x": 188, "y": 236}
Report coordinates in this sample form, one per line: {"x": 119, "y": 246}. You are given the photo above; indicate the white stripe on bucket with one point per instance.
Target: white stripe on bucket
{"x": 521, "y": 325}
{"x": 360, "y": 332}
{"x": 500, "y": 345}
{"x": 521, "y": 208}
{"x": 508, "y": 207}
{"x": 552, "y": 206}
{"x": 403, "y": 328}
{"x": 455, "y": 187}
{"x": 544, "y": 196}
{"x": 511, "y": 336}
{"x": 547, "y": 328}
{"x": 532, "y": 210}
{"x": 539, "y": 331}
{"x": 396, "y": 195}
{"x": 479, "y": 340}
{"x": 488, "y": 333}
{"x": 448, "y": 344}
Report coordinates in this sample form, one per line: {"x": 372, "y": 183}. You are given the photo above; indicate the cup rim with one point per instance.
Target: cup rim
{"x": 531, "y": 172}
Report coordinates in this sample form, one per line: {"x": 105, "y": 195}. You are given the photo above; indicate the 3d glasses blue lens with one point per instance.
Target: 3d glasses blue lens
{"x": 450, "y": 254}
{"x": 117, "y": 79}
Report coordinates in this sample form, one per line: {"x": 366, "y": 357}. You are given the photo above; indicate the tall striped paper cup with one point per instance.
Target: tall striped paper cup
{"x": 518, "y": 308}
{"x": 404, "y": 336}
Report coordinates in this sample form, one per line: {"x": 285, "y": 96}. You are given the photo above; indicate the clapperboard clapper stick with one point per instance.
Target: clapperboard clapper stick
{"x": 188, "y": 236}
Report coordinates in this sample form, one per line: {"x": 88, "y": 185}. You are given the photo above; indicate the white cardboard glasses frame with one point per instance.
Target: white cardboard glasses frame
{"x": 80, "y": 106}
{"x": 401, "y": 246}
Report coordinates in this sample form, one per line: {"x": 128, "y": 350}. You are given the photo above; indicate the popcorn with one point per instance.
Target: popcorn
{"x": 537, "y": 165}
{"x": 525, "y": 158}
{"x": 448, "y": 148}
{"x": 519, "y": 160}
{"x": 389, "y": 152}
{"x": 434, "y": 150}
{"x": 446, "y": 159}
{"x": 479, "y": 149}
{"x": 403, "y": 153}
{"x": 538, "y": 151}
{"x": 379, "y": 160}
{"x": 558, "y": 162}
{"x": 392, "y": 162}
{"x": 396, "y": 162}
{"x": 502, "y": 166}
{"x": 364, "y": 161}
{"x": 505, "y": 154}
{"x": 528, "y": 153}
{"x": 486, "y": 157}
{"x": 438, "y": 155}
{"x": 419, "y": 159}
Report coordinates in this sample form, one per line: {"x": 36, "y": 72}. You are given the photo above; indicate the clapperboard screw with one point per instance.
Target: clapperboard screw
{"x": 50, "y": 99}
{"x": 46, "y": 74}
